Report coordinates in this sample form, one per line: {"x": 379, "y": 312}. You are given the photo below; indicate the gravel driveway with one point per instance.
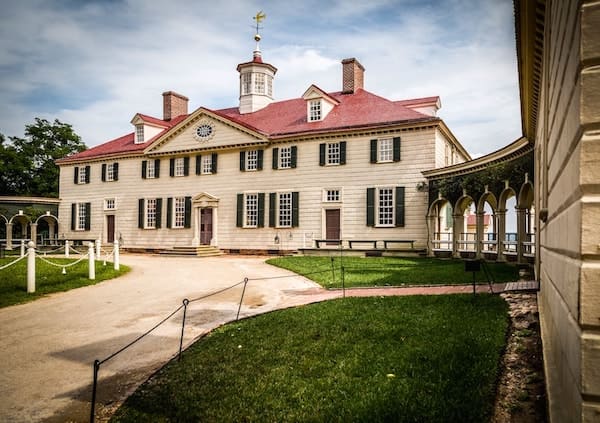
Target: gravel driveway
{"x": 49, "y": 345}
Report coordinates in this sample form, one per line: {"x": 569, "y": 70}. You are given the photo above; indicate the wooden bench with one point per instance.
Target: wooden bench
{"x": 327, "y": 241}
{"x": 362, "y": 241}
{"x": 398, "y": 241}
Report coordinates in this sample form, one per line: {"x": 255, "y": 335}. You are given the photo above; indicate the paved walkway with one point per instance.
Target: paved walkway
{"x": 49, "y": 345}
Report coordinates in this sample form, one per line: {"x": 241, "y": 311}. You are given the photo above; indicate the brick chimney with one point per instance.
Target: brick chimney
{"x": 352, "y": 76}
{"x": 174, "y": 105}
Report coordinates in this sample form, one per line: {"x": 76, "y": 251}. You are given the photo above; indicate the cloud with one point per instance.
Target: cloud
{"x": 95, "y": 64}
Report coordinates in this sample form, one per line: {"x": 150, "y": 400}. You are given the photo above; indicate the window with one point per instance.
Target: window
{"x": 139, "y": 134}
{"x": 179, "y": 166}
{"x": 207, "y": 164}
{"x": 269, "y": 85}
{"x": 332, "y": 196}
{"x": 259, "y": 83}
{"x": 314, "y": 110}
{"x": 385, "y": 150}
{"x": 385, "y": 206}
{"x": 151, "y": 170}
{"x": 110, "y": 172}
{"x": 251, "y": 210}
{"x": 332, "y": 153}
{"x": 80, "y": 216}
{"x": 149, "y": 213}
{"x": 251, "y": 160}
{"x": 285, "y": 210}
{"x": 285, "y": 157}
{"x": 109, "y": 204}
{"x": 81, "y": 175}
{"x": 179, "y": 212}
{"x": 246, "y": 83}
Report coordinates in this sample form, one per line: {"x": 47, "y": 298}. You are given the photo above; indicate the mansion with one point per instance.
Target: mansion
{"x": 264, "y": 175}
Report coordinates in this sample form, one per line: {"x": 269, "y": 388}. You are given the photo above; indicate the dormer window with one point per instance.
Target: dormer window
{"x": 314, "y": 110}
{"x": 139, "y": 133}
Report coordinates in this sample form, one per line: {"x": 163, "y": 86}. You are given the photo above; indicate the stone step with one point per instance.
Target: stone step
{"x": 200, "y": 251}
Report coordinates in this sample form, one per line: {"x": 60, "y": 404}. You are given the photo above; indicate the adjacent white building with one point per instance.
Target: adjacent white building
{"x": 265, "y": 174}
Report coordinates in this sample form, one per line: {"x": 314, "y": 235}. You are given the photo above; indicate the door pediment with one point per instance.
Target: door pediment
{"x": 205, "y": 199}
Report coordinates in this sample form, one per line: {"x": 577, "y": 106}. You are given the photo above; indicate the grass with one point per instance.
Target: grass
{"x": 49, "y": 279}
{"x": 375, "y": 359}
{"x": 389, "y": 271}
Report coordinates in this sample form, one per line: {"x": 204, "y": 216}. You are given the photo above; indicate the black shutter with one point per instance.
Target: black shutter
{"x": 400, "y": 206}
{"x": 396, "y": 149}
{"x": 198, "y": 164}
{"x": 261, "y": 209}
{"x": 294, "y": 156}
{"x": 342, "y": 152}
{"x": 88, "y": 215}
{"x": 103, "y": 172}
{"x": 87, "y": 174}
{"x": 141, "y": 213}
{"x": 275, "y": 158}
{"x": 322, "y": 148}
{"x": 373, "y": 151}
{"x": 240, "y": 211}
{"x": 272, "y": 208}
{"x": 144, "y": 168}
{"x": 242, "y": 161}
{"x": 186, "y": 166}
{"x": 73, "y": 215}
{"x": 116, "y": 171}
{"x": 158, "y": 213}
{"x": 187, "y": 219}
{"x": 295, "y": 209}
{"x": 370, "y": 206}
{"x": 76, "y": 175}
{"x": 171, "y": 167}
{"x": 214, "y": 158}
{"x": 156, "y": 168}
{"x": 169, "y": 212}
{"x": 259, "y": 161}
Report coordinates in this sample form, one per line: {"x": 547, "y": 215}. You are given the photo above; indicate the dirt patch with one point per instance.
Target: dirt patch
{"x": 521, "y": 396}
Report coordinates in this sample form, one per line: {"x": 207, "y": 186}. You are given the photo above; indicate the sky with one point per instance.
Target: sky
{"x": 96, "y": 63}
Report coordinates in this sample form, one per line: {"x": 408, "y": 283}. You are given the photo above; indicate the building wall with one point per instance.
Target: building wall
{"x": 568, "y": 187}
{"x": 418, "y": 153}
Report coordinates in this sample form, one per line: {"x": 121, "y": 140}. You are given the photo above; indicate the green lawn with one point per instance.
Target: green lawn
{"x": 13, "y": 280}
{"x": 389, "y": 271}
{"x": 375, "y": 359}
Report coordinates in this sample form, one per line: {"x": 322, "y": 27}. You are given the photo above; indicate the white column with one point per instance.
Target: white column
{"x": 33, "y": 227}
{"x": 9, "y": 236}
{"x": 91, "y": 262}
{"x": 196, "y": 226}
{"x": 31, "y": 267}
{"x": 66, "y": 248}
{"x": 22, "y": 248}
{"x": 116, "y": 255}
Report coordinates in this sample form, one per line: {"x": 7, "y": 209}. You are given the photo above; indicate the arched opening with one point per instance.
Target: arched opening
{"x": 489, "y": 225}
{"x": 3, "y": 223}
{"x": 441, "y": 226}
{"x": 47, "y": 230}
{"x": 465, "y": 226}
{"x": 20, "y": 227}
{"x": 508, "y": 237}
{"x": 527, "y": 208}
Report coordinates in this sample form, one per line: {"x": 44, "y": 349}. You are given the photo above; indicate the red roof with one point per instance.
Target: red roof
{"x": 284, "y": 118}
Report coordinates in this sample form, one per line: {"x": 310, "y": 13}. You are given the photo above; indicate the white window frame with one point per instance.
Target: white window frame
{"x": 285, "y": 158}
{"x": 332, "y": 195}
{"x": 139, "y": 133}
{"x": 333, "y": 154}
{"x": 251, "y": 210}
{"x": 81, "y": 217}
{"x": 385, "y": 207}
{"x": 82, "y": 172}
{"x": 110, "y": 204}
{"x": 246, "y": 81}
{"x": 178, "y": 212}
{"x": 206, "y": 164}
{"x": 150, "y": 213}
{"x": 284, "y": 209}
{"x": 269, "y": 85}
{"x": 252, "y": 160}
{"x": 110, "y": 172}
{"x": 150, "y": 169}
{"x": 259, "y": 83}
{"x": 315, "y": 110}
{"x": 179, "y": 166}
{"x": 385, "y": 150}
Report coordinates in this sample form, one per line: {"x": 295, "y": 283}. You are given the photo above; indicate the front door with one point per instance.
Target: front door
{"x": 332, "y": 224}
{"x": 110, "y": 228}
{"x": 206, "y": 224}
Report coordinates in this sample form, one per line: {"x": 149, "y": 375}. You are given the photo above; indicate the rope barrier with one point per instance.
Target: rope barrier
{"x": 62, "y": 265}
{"x": 6, "y": 266}
{"x": 216, "y": 292}
{"x": 62, "y": 247}
{"x": 71, "y": 249}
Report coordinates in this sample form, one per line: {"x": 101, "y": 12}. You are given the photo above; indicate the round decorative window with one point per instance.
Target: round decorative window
{"x": 204, "y": 131}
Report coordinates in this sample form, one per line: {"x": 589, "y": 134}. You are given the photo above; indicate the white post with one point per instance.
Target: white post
{"x": 22, "y": 248}
{"x": 116, "y": 255}
{"x": 30, "y": 267}
{"x": 66, "y": 248}
{"x": 98, "y": 248}
{"x": 92, "y": 262}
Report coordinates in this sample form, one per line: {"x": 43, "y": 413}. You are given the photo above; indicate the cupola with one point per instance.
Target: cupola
{"x": 256, "y": 78}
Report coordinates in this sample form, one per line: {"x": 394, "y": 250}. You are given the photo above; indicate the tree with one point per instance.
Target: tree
{"x": 27, "y": 164}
